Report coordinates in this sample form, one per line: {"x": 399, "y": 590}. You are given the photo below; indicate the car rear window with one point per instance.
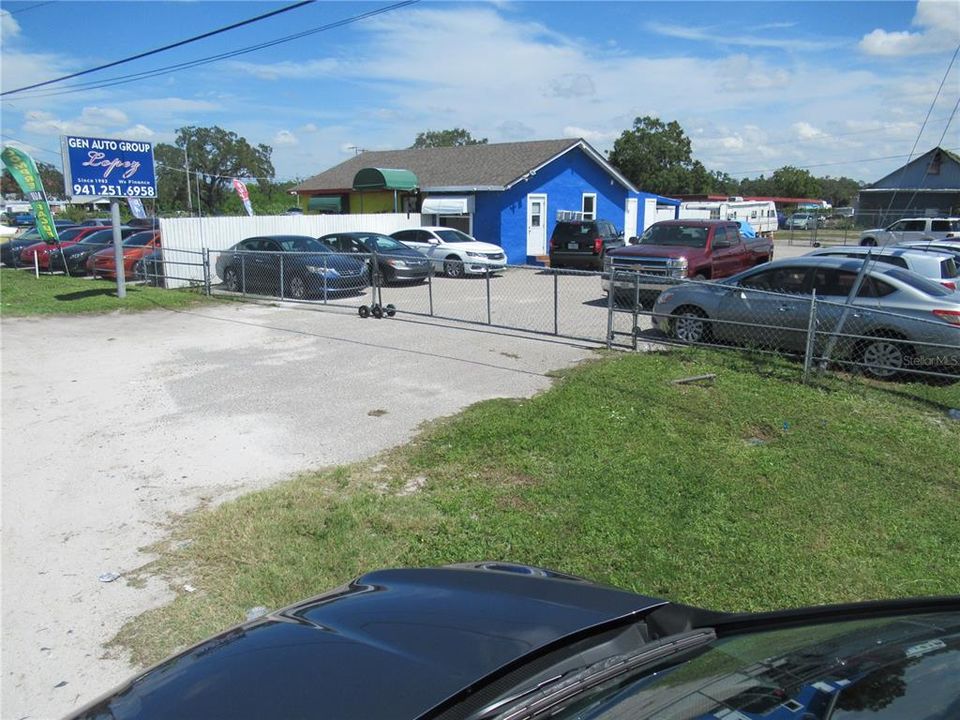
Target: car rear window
{"x": 918, "y": 282}
{"x": 948, "y": 269}
{"x": 574, "y": 231}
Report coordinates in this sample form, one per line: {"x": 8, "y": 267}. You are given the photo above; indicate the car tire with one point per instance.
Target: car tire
{"x": 869, "y": 242}
{"x": 689, "y": 325}
{"x": 453, "y": 267}
{"x": 231, "y": 281}
{"x": 884, "y": 357}
{"x": 296, "y": 287}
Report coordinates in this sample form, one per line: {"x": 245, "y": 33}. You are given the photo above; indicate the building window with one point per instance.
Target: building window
{"x": 589, "y": 206}
{"x": 934, "y": 168}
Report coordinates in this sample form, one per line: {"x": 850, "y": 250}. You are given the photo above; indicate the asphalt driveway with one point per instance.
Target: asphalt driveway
{"x": 114, "y": 425}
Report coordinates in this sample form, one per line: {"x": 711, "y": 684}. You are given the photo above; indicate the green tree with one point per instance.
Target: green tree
{"x": 789, "y": 181}
{"x": 50, "y": 176}
{"x": 215, "y": 156}
{"x": 457, "y": 137}
{"x": 657, "y": 157}
{"x": 839, "y": 192}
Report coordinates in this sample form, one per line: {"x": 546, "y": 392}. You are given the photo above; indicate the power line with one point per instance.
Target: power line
{"x": 193, "y": 39}
{"x": 828, "y": 164}
{"x": 123, "y": 79}
{"x": 30, "y": 7}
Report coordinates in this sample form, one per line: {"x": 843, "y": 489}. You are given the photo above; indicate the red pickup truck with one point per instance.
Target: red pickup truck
{"x": 684, "y": 249}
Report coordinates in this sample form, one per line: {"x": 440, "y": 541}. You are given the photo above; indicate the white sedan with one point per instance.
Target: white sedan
{"x": 454, "y": 252}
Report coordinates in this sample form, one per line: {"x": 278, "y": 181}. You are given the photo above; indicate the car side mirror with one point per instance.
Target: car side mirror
{"x": 634, "y": 240}
{"x": 434, "y": 241}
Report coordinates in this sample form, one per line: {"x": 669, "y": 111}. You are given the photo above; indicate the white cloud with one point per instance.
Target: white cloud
{"x": 9, "y": 27}
{"x": 714, "y": 35}
{"x": 101, "y": 115}
{"x": 41, "y": 122}
{"x": 138, "y": 132}
{"x": 939, "y": 23}
{"x": 806, "y": 131}
{"x": 594, "y": 137}
{"x": 515, "y": 130}
{"x": 572, "y": 85}
{"x": 285, "y": 137}
{"x": 287, "y": 69}
{"x": 309, "y": 128}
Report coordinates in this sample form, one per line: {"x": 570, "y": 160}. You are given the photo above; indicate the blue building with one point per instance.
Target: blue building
{"x": 927, "y": 186}
{"x": 505, "y": 193}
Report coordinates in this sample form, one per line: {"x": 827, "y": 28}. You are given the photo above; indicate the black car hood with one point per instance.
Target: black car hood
{"x": 392, "y": 644}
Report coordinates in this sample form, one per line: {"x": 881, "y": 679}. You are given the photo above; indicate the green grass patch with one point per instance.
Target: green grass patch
{"x": 23, "y": 294}
{"x": 751, "y": 492}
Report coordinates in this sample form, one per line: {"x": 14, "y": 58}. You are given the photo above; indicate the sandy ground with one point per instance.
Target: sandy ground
{"x": 114, "y": 424}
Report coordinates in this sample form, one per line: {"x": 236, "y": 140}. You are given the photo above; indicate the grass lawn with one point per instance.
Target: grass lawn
{"x": 22, "y": 294}
{"x": 753, "y": 492}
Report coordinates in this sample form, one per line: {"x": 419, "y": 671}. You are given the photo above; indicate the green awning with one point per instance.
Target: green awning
{"x": 385, "y": 179}
{"x": 325, "y": 203}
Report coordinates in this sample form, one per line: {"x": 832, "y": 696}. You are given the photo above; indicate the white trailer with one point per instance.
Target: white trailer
{"x": 761, "y": 214}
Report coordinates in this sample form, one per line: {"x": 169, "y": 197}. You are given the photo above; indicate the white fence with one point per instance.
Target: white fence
{"x": 184, "y": 238}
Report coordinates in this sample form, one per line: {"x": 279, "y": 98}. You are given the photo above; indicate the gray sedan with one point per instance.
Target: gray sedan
{"x": 898, "y": 321}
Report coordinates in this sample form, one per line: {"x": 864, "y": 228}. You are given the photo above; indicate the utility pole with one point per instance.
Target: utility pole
{"x": 186, "y": 165}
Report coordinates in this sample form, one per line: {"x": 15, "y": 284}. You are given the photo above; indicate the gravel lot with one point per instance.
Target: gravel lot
{"x": 114, "y": 425}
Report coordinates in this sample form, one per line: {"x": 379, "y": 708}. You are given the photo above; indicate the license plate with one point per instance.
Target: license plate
{"x": 572, "y": 246}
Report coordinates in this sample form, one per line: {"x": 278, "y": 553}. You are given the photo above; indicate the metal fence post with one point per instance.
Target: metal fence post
{"x": 430, "y": 288}
{"x": 486, "y": 274}
{"x": 610, "y": 294}
{"x": 243, "y": 275}
{"x": 811, "y": 336}
{"x": 281, "y": 275}
{"x": 636, "y": 307}
{"x": 556, "y": 303}
{"x": 326, "y": 280}
{"x": 207, "y": 284}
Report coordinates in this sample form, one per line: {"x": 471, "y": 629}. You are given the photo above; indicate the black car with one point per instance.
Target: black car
{"x": 582, "y": 244}
{"x": 305, "y": 265}
{"x": 77, "y": 255}
{"x": 396, "y": 262}
{"x": 10, "y": 251}
{"x": 513, "y": 642}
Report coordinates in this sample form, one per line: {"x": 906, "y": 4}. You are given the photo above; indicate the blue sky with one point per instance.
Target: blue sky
{"x": 839, "y": 87}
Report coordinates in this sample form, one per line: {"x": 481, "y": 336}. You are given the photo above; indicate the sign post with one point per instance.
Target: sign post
{"x": 109, "y": 168}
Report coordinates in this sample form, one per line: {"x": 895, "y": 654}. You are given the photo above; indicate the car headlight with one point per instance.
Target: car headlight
{"x": 321, "y": 270}
{"x": 677, "y": 262}
{"x": 475, "y": 254}
{"x": 397, "y": 263}
{"x": 664, "y": 296}
{"x": 607, "y": 263}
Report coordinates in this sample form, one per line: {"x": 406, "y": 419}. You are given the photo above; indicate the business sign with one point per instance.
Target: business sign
{"x": 104, "y": 167}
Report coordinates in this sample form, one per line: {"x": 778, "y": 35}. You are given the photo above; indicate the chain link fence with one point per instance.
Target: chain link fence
{"x": 785, "y": 319}
{"x": 823, "y": 228}
{"x": 622, "y": 308}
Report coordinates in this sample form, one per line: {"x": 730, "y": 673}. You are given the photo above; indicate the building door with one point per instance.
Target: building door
{"x": 536, "y": 225}
{"x": 630, "y": 219}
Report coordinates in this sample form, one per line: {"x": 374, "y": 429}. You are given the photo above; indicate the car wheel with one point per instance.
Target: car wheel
{"x": 884, "y": 357}
{"x": 297, "y": 287}
{"x": 868, "y": 242}
{"x": 231, "y": 281}
{"x": 690, "y": 325}
{"x": 453, "y": 267}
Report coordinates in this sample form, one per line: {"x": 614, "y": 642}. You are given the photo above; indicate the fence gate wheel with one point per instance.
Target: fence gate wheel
{"x": 390, "y": 310}
{"x": 377, "y": 311}
{"x": 363, "y": 311}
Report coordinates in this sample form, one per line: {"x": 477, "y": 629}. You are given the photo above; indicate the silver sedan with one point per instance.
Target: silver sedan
{"x": 898, "y": 321}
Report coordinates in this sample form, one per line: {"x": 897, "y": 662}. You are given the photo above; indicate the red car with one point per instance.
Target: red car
{"x": 135, "y": 247}
{"x": 68, "y": 237}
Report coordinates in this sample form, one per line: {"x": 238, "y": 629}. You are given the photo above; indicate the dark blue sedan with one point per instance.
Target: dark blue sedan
{"x": 291, "y": 266}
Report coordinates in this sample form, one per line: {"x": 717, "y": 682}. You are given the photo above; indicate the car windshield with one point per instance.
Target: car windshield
{"x": 100, "y": 237}
{"x": 681, "y": 235}
{"x": 454, "y": 236}
{"x": 139, "y": 239}
{"x": 302, "y": 244}
{"x": 878, "y": 669}
{"x": 383, "y": 243}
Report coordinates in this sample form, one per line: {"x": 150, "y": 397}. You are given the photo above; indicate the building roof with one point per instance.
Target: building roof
{"x": 459, "y": 169}
{"x": 936, "y": 169}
